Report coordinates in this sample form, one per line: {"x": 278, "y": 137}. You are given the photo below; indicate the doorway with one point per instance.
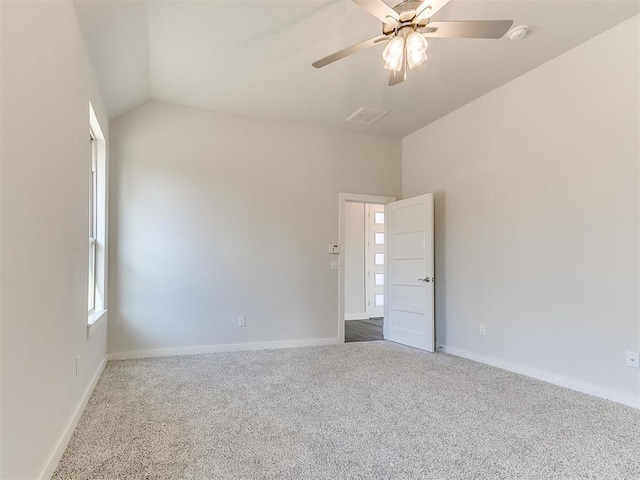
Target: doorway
{"x": 362, "y": 240}
{"x": 408, "y": 262}
{"x": 364, "y": 271}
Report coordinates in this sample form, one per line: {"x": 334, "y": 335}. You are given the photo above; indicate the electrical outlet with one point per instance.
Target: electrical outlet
{"x": 483, "y": 330}
{"x": 633, "y": 359}
{"x": 77, "y": 365}
{"x": 242, "y": 321}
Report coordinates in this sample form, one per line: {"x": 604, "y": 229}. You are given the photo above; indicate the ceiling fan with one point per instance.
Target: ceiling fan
{"x": 406, "y": 28}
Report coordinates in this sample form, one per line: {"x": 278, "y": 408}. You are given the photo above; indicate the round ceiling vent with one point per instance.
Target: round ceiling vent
{"x": 518, "y": 33}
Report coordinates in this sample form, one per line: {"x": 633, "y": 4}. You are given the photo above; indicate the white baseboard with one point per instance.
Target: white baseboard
{"x": 71, "y": 426}
{"x": 546, "y": 376}
{"x": 356, "y": 316}
{"x": 236, "y": 347}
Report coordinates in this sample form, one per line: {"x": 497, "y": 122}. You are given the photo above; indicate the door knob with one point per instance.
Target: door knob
{"x": 425, "y": 279}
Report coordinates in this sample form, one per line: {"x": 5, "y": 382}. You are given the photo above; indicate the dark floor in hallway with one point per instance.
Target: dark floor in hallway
{"x": 363, "y": 330}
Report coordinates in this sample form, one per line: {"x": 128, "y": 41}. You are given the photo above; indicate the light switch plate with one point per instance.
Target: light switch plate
{"x": 334, "y": 265}
{"x": 633, "y": 359}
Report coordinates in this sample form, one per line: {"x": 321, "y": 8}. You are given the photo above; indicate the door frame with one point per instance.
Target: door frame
{"x": 343, "y": 198}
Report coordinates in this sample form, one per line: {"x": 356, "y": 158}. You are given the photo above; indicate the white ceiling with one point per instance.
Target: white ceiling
{"x": 254, "y": 57}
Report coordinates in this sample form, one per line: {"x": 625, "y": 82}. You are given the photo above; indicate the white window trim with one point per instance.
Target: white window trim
{"x": 93, "y": 205}
{"x": 98, "y": 316}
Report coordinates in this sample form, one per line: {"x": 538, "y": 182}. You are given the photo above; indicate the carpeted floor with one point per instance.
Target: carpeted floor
{"x": 374, "y": 410}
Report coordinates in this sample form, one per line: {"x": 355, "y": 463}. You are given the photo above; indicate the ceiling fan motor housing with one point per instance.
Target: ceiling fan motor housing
{"x": 407, "y": 12}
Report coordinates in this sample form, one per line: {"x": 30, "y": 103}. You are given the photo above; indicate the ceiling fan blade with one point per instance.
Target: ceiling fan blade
{"x": 345, "y": 52}
{"x": 378, "y": 9}
{"x": 470, "y": 29}
{"x": 398, "y": 77}
{"x": 428, "y": 8}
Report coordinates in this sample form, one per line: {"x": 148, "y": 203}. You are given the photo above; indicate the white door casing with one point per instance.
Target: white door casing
{"x": 409, "y": 279}
{"x": 342, "y": 199}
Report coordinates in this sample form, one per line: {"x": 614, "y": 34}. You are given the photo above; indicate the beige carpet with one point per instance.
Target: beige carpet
{"x": 373, "y": 410}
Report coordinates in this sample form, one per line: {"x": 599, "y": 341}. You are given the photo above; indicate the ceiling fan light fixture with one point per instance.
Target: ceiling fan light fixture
{"x": 416, "y": 49}
{"x": 417, "y": 60}
{"x": 393, "y": 54}
{"x": 405, "y": 26}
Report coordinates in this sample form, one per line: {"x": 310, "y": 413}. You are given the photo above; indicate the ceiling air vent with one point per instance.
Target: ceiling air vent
{"x": 367, "y": 116}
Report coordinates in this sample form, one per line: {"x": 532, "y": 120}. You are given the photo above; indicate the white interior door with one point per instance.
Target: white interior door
{"x": 409, "y": 299}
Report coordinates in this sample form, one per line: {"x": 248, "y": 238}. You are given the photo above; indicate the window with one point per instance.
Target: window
{"x": 97, "y": 225}
{"x": 93, "y": 221}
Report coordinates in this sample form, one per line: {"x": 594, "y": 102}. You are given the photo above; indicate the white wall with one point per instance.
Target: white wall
{"x": 47, "y": 83}
{"x": 216, "y": 216}
{"x": 536, "y": 196}
{"x": 353, "y": 255}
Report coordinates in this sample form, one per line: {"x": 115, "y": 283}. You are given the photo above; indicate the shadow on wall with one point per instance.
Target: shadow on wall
{"x": 440, "y": 203}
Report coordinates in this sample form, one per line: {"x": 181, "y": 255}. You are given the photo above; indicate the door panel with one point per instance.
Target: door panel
{"x": 409, "y": 285}
{"x": 408, "y": 216}
{"x": 411, "y": 244}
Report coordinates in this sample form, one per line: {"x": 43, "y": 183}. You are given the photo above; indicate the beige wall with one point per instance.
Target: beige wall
{"x": 353, "y": 252}
{"x": 216, "y": 216}
{"x": 46, "y": 85}
{"x": 537, "y": 218}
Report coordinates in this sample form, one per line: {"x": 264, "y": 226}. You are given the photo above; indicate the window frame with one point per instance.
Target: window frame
{"x": 93, "y": 223}
{"x": 97, "y": 227}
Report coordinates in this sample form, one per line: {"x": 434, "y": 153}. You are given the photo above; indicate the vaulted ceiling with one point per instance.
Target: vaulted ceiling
{"x": 254, "y": 57}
